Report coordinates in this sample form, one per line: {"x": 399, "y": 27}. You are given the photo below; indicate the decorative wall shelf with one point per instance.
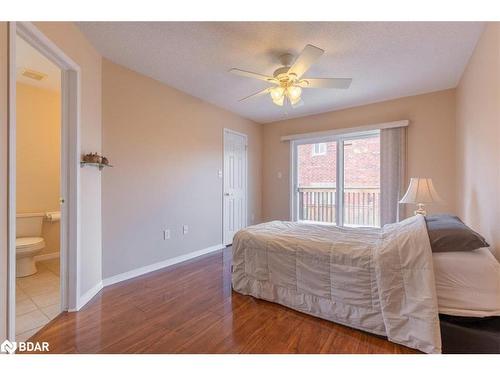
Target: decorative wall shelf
{"x": 97, "y": 165}
{"x": 93, "y": 159}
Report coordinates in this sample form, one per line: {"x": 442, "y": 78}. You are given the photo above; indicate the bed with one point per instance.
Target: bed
{"x": 380, "y": 281}
{"x": 384, "y": 281}
{"x": 467, "y": 283}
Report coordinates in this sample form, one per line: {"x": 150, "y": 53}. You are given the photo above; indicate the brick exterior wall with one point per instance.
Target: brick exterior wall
{"x": 361, "y": 164}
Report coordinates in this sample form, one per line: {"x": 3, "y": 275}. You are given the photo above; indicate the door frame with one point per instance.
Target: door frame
{"x": 339, "y": 212}
{"x": 70, "y": 171}
{"x": 245, "y": 205}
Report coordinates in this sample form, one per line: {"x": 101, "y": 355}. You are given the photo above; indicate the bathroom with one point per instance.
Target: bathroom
{"x": 38, "y": 185}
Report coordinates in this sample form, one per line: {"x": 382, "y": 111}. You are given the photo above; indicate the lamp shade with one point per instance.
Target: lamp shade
{"x": 421, "y": 190}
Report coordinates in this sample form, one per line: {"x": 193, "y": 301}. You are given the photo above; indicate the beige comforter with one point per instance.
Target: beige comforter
{"x": 380, "y": 281}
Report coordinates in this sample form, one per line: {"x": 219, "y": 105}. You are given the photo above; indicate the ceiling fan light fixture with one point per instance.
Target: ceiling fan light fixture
{"x": 287, "y": 80}
{"x": 279, "y": 101}
{"x": 277, "y": 93}
{"x": 293, "y": 93}
{"x": 294, "y": 101}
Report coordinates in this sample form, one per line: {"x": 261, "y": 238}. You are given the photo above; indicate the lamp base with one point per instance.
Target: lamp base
{"x": 420, "y": 210}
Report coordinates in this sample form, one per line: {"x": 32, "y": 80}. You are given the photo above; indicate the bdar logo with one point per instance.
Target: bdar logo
{"x": 23, "y": 346}
{"x": 8, "y": 347}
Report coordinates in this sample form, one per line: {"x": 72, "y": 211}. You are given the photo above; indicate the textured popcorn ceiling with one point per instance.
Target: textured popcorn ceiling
{"x": 386, "y": 60}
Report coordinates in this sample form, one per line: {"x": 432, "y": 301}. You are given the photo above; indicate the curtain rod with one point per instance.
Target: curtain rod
{"x": 383, "y": 125}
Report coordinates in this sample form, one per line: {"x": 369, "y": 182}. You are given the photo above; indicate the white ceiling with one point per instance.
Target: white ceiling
{"x": 29, "y": 58}
{"x": 386, "y": 60}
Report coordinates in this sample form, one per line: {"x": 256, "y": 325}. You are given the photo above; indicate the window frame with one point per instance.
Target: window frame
{"x": 339, "y": 201}
{"x": 322, "y": 150}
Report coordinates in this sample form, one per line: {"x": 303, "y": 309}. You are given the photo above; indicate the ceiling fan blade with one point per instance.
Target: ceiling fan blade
{"x": 307, "y": 57}
{"x": 244, "y": 73}
{"x": 262, "y": 92}
{"x": 326, "y": 83}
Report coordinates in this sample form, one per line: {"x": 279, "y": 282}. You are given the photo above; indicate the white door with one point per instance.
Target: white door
{"x": 235, "y": 184}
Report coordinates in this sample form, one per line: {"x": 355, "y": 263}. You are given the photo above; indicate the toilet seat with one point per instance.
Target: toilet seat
{"x": 28, "y": 244}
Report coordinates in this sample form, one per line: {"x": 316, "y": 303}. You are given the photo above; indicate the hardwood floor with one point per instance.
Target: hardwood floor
{"x": 190, "y": 308}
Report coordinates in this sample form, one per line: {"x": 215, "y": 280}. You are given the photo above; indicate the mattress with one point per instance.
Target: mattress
{"x": 467, "y": 283}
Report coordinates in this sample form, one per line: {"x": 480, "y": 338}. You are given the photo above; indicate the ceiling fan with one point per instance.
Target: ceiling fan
{"x": 287, "y": 81}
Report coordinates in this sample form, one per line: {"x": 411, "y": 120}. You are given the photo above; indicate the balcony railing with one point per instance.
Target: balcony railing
{"x": 361, "y": 205}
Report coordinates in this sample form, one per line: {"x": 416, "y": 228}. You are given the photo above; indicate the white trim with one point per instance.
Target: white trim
{"x": 245, "y": 206}
{"x": 70, "y": 228}
{"x": 156, "y": 266}
{"x": 236, "y": 132}
{"x": 49, "y": 256}
{"x": 45, "y": 46}
{"x": 335, "y": 132}
{"x": 339, "y": 200}
{"x": 70, "y": 154}
{"x": 11, "y": 187}
{"x": 89, "y": 294}
{"x": 293, "y": 182}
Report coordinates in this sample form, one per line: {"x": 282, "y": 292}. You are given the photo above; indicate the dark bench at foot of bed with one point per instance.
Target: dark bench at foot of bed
{"x": 462, "y": 335}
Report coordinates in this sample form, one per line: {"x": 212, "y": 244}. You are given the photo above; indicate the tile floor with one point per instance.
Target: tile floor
{"x": 37, "y": 299}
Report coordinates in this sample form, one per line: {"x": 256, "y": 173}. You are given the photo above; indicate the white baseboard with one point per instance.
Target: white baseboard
{"x": 156, "y": 266}
{"x": 39, "y": 258}
{"x": 83, "y": 300}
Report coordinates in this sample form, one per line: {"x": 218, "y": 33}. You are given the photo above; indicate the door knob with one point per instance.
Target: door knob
{"x": 228, "y": 194}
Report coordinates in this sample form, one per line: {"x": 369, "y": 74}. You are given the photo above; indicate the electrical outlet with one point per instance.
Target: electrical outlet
{"x": 166, "y": 234}
{"x": 185, "y": 229}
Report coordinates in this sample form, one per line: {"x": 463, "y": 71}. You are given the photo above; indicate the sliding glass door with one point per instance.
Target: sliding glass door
{"x": 337, "y": 180}
{"x": 317, "y": 181}
{"x": 362, "y": 181}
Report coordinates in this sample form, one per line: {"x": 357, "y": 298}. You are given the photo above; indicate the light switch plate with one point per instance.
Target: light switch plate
{"x": 185, "y": 229}
{"x": 166, "y": 234}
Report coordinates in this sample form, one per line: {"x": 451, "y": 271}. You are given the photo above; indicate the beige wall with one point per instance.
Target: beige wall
{"x": 431, "y": 145}
{"x": 69, "y": 39}
{"x": 167, "y": 149}
{"x": 38, "y": 151}
{"x": 478, "y": 138}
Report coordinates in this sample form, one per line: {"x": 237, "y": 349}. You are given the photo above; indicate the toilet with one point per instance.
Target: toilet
{"x": 29, "y": 242}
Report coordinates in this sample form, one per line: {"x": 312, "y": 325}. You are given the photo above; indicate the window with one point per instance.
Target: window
{"x": 342, "y": 188}
{"x": 319, "y": 149}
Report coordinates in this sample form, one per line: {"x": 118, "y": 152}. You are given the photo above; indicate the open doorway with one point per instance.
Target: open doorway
{"x": 43, "y": 180}
{"x": 38, "y": 190}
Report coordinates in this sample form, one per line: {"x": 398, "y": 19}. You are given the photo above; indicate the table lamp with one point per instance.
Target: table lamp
{"x": 420, "y": 192}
